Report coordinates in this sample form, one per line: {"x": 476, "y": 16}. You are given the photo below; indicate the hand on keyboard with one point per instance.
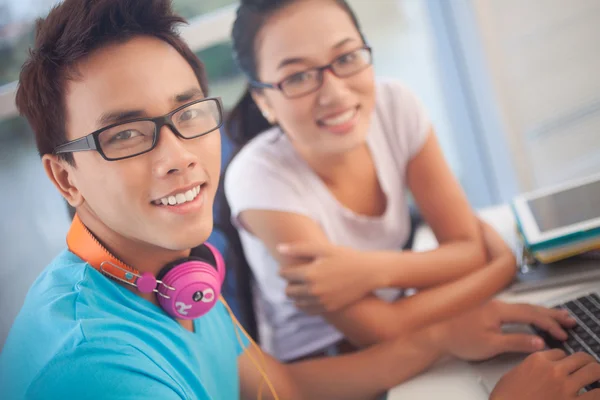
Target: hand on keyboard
{"x": 585, "y": 336}
{"x": 478, "y": 334}
{"x": 550, "y": 375}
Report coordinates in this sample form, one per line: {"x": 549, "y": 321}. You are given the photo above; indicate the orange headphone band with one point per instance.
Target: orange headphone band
{"x": 85, "y": 245}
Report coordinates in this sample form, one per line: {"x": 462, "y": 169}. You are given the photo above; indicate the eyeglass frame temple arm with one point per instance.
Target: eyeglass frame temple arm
{"x": 81, "y": 144}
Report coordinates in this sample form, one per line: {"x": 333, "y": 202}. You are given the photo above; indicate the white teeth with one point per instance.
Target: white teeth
{"x": 180, "y": 198}
{"x": 340, "y": 119}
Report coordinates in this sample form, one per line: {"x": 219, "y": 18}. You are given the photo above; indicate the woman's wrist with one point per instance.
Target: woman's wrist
{"x": 380, "y": 273}
{"x": 434, "y": 337}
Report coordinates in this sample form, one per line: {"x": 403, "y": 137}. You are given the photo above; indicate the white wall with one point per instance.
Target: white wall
{"x": 544, "y": 64}
{"x": 403, "y": 47}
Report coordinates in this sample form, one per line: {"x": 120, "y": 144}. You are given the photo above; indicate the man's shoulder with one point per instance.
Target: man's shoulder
{"x": 56, "y": 290}
{"x": 54, "y": 315}
{"x": 44, "y": 326}
{"x": 65, "y": 268}
{"x": 100, "y": 370}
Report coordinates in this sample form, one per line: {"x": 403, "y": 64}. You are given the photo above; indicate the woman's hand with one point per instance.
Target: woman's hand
{"x": 550, "y": 375}
{"x": 326, "y": 278}
{"x": 478, "y": 334}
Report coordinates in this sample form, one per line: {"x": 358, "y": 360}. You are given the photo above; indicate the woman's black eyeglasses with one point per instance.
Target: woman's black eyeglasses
{"x": 310, "y": 80}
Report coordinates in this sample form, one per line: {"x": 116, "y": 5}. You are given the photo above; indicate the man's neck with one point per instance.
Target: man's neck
{"x": 141, "y": 256}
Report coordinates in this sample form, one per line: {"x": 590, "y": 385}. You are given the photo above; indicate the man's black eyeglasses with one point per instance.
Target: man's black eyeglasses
{"x": 138, "y": 136}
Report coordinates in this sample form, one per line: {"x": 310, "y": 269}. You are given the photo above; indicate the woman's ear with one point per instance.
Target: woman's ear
{"x": 263, "y": 105}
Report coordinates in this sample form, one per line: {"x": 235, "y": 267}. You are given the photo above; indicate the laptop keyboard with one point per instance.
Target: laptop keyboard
{"x": 586, "y": 335}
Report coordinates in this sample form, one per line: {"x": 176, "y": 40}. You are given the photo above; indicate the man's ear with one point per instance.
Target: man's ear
{"x": 61, "y": 174}
{"x": 263, "y": 105}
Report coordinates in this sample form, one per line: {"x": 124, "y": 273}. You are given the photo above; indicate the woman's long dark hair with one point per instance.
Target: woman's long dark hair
{"x": 243, "y": 124}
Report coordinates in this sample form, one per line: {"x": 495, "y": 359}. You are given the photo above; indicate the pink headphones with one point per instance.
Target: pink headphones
{"x": 190, "y": 287}
{"x": 186, "y": 289}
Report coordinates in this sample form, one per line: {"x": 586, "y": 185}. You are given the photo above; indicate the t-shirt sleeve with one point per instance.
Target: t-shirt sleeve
{"x": 405, "y": 114}
{"x": 103, "y": 372}
{"x": 252, "y": 183}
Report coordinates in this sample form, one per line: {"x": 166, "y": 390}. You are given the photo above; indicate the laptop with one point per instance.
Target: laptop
{"x": 536, "y": 275}
{"x": 584, "y": 306}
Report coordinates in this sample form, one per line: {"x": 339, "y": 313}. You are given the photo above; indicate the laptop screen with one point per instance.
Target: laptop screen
{"x": 568, "y": 207}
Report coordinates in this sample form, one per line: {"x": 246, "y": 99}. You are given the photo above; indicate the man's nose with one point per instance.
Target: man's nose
{"x": 174, "y": 155}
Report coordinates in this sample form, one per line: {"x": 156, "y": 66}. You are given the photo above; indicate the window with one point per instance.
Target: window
{"x": 31, "y": 207}
{"x": 17, "y": 28}
{"x": 33, "y": 214}
{"x": 224, "y": 77}
{"x": 16, "y": 34}
{"x": 193, "y": 8}
{"x": 403, "y": 48}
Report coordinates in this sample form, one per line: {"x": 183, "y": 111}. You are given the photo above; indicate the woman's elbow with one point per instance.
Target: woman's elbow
{"x": 481, "y": 257}
{"x": 477, "y": 254}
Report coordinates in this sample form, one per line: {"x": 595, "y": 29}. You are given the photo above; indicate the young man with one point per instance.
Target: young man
{"x": 102, "y": 77}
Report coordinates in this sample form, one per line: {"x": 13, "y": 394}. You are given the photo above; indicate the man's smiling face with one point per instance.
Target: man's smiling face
{"x": 143, "y": 77}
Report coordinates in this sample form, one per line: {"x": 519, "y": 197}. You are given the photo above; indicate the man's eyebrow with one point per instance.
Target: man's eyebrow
{"x": 300, "y": 60}
{"x": 188, "y": 95}
{"x": 114, "y": 117}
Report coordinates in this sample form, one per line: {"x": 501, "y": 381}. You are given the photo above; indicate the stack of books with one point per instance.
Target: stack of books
{"x": 560, "y": 222}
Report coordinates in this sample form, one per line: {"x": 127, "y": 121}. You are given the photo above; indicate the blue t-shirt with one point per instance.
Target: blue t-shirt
{"x": 80, "y": 335}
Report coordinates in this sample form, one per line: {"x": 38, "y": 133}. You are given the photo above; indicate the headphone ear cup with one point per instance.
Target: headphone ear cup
{"x": 219, "y": 261}
{"x": 189, "y": 289}
{"x": 169, "y": 267}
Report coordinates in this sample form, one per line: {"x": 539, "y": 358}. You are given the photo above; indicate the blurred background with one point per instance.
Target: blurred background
{"x": 512, "y": 87}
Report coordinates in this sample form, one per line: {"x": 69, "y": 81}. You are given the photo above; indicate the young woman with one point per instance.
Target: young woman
{"x": 318, "y": 189}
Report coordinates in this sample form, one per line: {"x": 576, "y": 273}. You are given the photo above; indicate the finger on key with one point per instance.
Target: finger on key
{"x": 560, "y": 316}
{"x": 591, "y": 395}
{"x": 551, "y": 326}
{"x": 584, "y": 376}
{"x": 530, "y": 314}
{"x": 575, "y": 362}
{"x": 563, "y": 317}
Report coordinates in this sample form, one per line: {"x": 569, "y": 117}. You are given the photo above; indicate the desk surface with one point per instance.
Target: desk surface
{"x": 456, "y": 379}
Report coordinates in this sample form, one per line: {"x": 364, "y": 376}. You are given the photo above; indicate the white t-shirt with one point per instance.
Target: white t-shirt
{"x": 268, "y": 174}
